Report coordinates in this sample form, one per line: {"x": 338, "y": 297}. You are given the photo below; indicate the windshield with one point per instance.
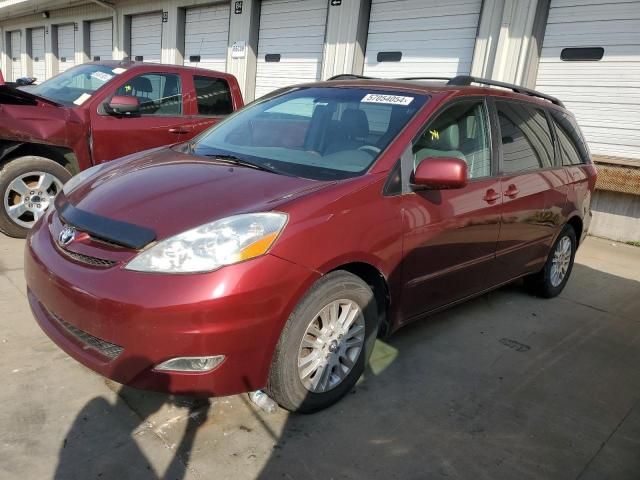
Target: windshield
{"x": 76, "y": 85}
{"x": 317, "y": 133}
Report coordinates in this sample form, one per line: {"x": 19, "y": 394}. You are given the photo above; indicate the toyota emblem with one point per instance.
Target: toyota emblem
{"x": 66, "y": 236}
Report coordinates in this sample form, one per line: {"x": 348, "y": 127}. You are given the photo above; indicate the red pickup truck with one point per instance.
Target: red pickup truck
{"x": 94, "y": 113}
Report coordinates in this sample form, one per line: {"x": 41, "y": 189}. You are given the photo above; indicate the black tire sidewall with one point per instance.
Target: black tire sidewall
{"x": 19, "y": 166}
{"x": 548, "y": 289}
{"x": 284, "y": 384}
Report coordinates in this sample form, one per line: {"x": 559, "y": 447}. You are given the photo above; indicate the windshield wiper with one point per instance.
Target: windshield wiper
{"x": 233, "y": 160}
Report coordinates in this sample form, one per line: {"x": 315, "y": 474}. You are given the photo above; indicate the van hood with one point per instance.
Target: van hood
{"x": 169, "y": 192}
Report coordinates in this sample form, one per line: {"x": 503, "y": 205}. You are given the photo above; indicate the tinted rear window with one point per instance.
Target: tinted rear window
{"x": 213, "y": 96}
{"x": 572, "y": 145}
{"x": 526, "y": 138}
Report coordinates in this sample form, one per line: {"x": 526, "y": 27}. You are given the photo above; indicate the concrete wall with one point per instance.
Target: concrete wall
{"x": 616, "y": 216}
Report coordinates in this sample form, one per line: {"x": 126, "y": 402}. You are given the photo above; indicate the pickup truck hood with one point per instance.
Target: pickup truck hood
{"x": 25, "y": 117}
{"x": 169, "y": 192}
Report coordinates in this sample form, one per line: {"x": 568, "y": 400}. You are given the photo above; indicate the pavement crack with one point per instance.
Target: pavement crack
{"x": 603, "y": 444}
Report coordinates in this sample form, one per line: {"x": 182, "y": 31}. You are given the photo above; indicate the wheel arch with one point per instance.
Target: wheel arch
{"x": 61, "y": 155}
{"x": 378, "y": 284}
{"x": 577, "y": 225}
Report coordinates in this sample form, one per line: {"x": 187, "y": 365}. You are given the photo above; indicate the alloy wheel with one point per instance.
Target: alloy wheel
{"x": 331, "y": 346}
{"x": 29, "y": 195}
{"x": 561, "y": 261}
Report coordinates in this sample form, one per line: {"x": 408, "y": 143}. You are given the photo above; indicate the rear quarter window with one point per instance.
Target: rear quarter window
{"x": 573, "y": 148}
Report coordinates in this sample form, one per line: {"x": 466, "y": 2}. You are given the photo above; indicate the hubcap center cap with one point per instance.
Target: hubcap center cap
{"x": 333, "y": 346}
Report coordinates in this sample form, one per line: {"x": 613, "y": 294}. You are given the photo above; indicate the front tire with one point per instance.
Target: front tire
{"x": 28, "y": 185}
{"x": 325, "y": 344}
{"x": 551, "y": 280}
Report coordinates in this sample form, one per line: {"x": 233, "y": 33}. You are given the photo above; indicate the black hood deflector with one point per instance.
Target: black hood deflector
{"x": 107, "y": 229}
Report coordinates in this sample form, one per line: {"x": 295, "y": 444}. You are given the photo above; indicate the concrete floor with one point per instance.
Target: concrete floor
{"x": 505, "y": 386}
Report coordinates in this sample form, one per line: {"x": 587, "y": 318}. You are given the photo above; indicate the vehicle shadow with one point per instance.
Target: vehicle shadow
{"x": 494, "y": 388}
{"x": 101, "y": 442}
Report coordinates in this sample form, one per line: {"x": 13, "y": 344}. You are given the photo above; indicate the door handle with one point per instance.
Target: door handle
{"x": 512, "y": 191}
{"x": 491, "y": 196}
{"x": 178, "y": 130}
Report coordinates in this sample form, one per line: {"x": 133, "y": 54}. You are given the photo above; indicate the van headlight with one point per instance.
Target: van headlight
{"x": 213, "y": 245}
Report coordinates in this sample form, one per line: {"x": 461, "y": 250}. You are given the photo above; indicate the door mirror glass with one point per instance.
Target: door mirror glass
{"x": 440, "y": 173}
{"x": 123, "y": 105}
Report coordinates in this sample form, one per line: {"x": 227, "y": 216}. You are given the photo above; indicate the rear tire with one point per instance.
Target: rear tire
{"x": 28, "y": 186}
{"x": 310, "y": 334}
{"x": 551, "y": 280}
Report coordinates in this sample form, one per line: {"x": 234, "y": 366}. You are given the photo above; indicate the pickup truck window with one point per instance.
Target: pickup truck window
{"x": 213, "y": 96}
{"x": 158, "y": 93}
{"x": 76, "y": 85}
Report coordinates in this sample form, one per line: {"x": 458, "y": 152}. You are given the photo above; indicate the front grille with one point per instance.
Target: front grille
{"x": 94, "y": 261}
{"x": 109, "y": 350}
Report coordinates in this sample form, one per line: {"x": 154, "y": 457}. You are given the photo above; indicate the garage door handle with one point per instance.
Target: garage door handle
{"x": 491, "y": 196}
{"x": 512, "y": 191}
{"x": 179, "y": 130}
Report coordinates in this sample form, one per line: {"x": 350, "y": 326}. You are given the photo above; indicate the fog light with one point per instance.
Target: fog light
{"x": 191, "y": 364}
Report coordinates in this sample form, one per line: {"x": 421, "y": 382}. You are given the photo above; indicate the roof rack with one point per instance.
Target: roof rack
{"x": 462, "y": 80}
{"x": 350, "y": 76}
{"x": 465, "y": 80}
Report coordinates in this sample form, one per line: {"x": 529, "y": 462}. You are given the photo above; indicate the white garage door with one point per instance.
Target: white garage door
{"x": 66, "y": 47}
{"x": 603, "y": 94}
{"x": 206, "y": 37}
{"x": 101, "y": 40}
{"x": 410, "y": 38}
{"x": 38, "y": 69}
{"x": 146, "y": 37}
{"x": 290, "y": 44}
{"x": 15, "y": 38}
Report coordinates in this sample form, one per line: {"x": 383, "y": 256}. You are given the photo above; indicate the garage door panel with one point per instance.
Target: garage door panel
{"x": 16, "y": 54}
{"x": 101, "y": 39}
{"x": 295, "y": 30}
{"x": 207, "y": 36}
{"x": 38, "y": 66}
{"x": 66, "y": 47}
{"x": 146, "y": 36}
{"x": 435, "y": 37}
{"x": 604, "y": 95}
{"x": 606, "y": 11}
{"x": 306, "y": 7}
{"x": 442, "y": 24}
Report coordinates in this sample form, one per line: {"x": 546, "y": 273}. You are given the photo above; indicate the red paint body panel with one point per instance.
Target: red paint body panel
{"x": 237, "y": 311}
{"x": 112, "y": 137}
{"x": 432, "y": 247}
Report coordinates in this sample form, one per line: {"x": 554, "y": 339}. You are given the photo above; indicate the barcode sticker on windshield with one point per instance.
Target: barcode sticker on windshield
{"x": 119, "y": 70}
{"x": 102, "y": 76}
{"x": 82, "y": 98}
{"x": 387, "y": 99}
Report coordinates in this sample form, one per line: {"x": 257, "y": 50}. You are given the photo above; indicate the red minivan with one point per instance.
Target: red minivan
{"x": 270, "y": 251}
{"x": 94, "y": 113}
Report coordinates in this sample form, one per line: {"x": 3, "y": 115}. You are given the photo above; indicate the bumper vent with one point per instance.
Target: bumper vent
{"x": 109, "y": 350}
{"x": 93, "y": 261}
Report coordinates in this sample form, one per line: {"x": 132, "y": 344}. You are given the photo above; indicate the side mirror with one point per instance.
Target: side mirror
{"x": 440, "y": 173}
{"x": 123, "y": 105}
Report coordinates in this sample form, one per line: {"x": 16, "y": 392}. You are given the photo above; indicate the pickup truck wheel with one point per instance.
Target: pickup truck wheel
{"x": 325, "y": 344}
{"x": 28, "y": 185}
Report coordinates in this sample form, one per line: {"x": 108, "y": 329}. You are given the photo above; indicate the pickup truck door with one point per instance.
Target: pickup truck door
{"x": 161, "y": 120}
{"x": 209, "y": 101}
